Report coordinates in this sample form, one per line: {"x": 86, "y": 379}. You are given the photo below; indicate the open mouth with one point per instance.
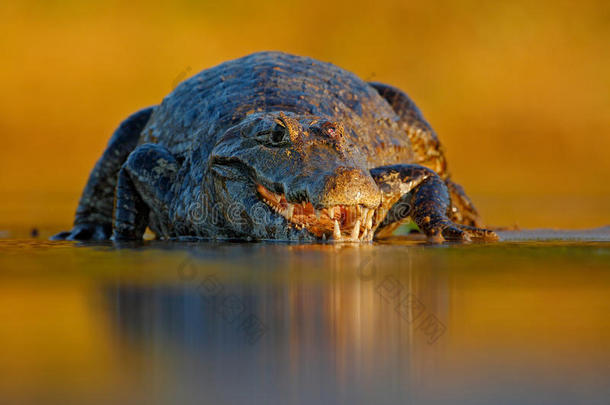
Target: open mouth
{"x": 339, "y": 223}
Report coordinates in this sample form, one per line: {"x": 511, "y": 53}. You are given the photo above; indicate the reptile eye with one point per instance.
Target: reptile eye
{"x": 274, "y": 136}
{"x": 277, "y": 135}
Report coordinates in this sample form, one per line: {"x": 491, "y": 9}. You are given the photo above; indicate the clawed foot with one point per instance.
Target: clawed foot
{"x": 86, "y": 232}
{"x": 449, "y": 231}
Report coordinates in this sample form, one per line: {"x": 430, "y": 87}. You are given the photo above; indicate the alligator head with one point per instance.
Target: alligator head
{"x": 312, "y": 183}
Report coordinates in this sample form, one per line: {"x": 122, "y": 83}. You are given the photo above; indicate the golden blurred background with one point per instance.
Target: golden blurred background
{"x": 518, "y": 91}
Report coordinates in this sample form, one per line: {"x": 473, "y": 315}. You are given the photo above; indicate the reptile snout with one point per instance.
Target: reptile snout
{"x": 345, "y": 186}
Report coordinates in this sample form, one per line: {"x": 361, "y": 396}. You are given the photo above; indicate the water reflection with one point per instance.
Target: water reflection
{"x": 340, "y": 321}
{"x": 246, "y": 323}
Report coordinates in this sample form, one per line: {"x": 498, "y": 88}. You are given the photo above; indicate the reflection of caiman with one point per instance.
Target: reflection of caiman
{"x": 333, "y": 157}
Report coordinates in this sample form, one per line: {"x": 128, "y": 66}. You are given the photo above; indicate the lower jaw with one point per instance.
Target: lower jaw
{"x": 293, "y": 234}
{"x": 338, "y": 223}
{"x": 304, "y": 234}
{"x": 325, "y": 229}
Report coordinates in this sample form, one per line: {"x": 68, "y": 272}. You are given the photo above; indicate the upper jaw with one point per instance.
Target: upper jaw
{"x": 324, "y": 221}
{"x": 348, "y": 223}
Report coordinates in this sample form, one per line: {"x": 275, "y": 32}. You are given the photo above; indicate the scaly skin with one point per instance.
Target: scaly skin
{"x": 276, "y": 146}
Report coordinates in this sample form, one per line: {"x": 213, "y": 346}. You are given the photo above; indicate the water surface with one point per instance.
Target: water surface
{"x": 522, "y": 321}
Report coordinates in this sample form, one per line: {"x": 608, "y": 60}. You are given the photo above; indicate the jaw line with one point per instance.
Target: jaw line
{"x": 335, "y": 223}
{"x": 346, "y": 223}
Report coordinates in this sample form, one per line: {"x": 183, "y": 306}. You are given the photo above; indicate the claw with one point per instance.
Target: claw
{"x": 436, "y": 238}
{"x": 61, "y": 235}
{"x": 84, "y": 232}
{"x": 455, "y": 233}
{"x": 479, "y": 233}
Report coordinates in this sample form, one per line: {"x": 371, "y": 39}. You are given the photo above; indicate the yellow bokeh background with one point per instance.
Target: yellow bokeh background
{"x": 519, "y": 92}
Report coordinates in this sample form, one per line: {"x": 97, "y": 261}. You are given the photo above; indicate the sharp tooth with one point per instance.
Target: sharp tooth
{"x": 364, "y": 234}
{"x": 337, "y": 231}
{"x": 331, "y": 212}
{"x": 356, "y": 230}
{"x": 289, "y": 211}
{"x": 324, "y": 237}
{"x": 365, "y": 213}
{"x": 369, "y": 219}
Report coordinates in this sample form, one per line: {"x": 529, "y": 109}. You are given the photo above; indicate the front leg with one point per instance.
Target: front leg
{"x": 144, "y": 186}
{"x": 418, "y": 192}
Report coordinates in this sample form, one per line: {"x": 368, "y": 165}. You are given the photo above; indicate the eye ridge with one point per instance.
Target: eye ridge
{"x": 275, "y": 136}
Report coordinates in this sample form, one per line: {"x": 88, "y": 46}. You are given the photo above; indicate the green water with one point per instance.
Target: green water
{"x": 524, "y": 321}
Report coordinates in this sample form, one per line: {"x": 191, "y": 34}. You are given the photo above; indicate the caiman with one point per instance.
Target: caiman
{"x": 274, "y": 146}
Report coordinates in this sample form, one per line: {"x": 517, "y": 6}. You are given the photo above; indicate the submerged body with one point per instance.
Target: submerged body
{"x": 275, "y": 146}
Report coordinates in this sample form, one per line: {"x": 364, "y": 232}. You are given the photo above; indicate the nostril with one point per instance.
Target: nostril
{"x": 333, "y": 130}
